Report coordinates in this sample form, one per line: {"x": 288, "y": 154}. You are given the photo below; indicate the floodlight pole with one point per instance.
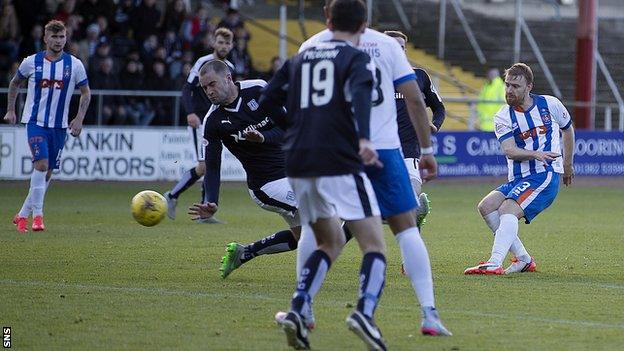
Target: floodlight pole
{"x": 282, "y": 31}
{"x": 585, "y": 63}
{"x": 517, "y": 32}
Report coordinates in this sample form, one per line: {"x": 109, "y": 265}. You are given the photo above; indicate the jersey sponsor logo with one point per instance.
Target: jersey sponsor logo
{"x": 240, "y": 135}
{"x": 51, "y": 83}
{"x": 533, "y": 133}
{"x": 253, "y": 104}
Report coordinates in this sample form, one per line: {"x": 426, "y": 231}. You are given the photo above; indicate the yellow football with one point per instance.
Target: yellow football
{"x": 148, "y": 208}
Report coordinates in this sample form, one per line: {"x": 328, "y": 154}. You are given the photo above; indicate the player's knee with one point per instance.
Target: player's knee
{"x": 510, "y": 206}
{"x": 483, "y": 208}
{"x": 200, "y": 169}
{"x": 41, "y": 165}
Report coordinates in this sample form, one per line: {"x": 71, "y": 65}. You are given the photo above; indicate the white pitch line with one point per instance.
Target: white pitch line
{"x": 199, "y": 294}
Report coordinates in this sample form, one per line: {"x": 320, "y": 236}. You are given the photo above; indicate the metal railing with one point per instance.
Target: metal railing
{"x": 97, "y": 100}
{"x": 469, "y": 119}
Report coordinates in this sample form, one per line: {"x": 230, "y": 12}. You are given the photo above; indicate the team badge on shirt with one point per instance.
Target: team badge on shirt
{"x": 253, "y": 104}
{"x": 545, "y": 114}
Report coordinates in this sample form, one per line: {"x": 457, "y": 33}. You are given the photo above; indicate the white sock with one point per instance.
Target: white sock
{"x": 26, "y": 207}
{"x": 417, "y": 265}
{"x": 505, "y": 235}
{"x": 306, "y": 246}
{"x": 37, "y": 191}
{"x": 516, "y": 248}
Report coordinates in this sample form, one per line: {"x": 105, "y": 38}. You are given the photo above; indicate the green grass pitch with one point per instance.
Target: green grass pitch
{"x": 95, "y": 279}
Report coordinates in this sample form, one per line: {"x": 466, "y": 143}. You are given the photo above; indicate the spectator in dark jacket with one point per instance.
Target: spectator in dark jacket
{"x": 113, "y": 111}
{"x": 158, "y": 79}
{"x": 136, "y": 107}
{"x": 175, "y": 14}
{"x": 145, "y": 20}
{"x": 241, "y": 59}
{"x": 232, "y": 20}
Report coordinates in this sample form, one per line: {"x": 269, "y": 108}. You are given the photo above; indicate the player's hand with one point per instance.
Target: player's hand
{"x": 203, "y": 211}
{"x": 546, "y": 156}
{"x": 428, "y": 167}
{"x": 193, "y": 120}
{"x": 369, "y": 154}
{"x": 75, "y": 127}
{"x": 254, "y": 136}
{"x": 568, "y": 174}
{"x": 434, "y": 129}
{"x": 10, "y": 117}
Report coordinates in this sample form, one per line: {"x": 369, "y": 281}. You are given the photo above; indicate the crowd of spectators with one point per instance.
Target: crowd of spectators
{"x": 125, "y": 44}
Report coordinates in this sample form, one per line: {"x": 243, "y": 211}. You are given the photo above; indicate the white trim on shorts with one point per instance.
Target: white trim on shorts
{"x": 349, "y": 196}
{"x": 277, "y": 196}
{"x": 414, "y": 172}
{"x": 197, "y": 135}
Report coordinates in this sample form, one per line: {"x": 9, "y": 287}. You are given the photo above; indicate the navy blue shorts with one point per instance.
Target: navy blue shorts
{"x": 392, "y": 184}
{"x": 533, "y": 193}
{"x": 46, "y": 143}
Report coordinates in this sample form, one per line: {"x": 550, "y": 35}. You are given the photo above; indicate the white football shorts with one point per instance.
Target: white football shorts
{"x": 349, "y": 197}
{"x": 197, "y": 135}
{"x": 414, "y": 173}
{"x": 277, "y": 196}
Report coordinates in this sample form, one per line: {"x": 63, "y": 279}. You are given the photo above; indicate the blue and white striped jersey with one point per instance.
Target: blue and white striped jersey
{"x": 50, "y": 87}
{"x": 533, "y": 130}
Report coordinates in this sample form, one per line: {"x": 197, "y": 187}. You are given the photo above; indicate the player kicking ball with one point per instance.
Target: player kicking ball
{"x": 528, "y": 129}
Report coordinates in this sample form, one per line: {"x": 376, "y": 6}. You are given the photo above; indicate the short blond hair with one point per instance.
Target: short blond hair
{"x": 396, "y": 34}
{"x": 225, "y": 33}
{"x": 520, "y": 69}
{"x": 55, "y": 26}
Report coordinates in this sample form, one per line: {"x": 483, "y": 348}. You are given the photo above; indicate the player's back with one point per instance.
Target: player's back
{"x": 321, "y": 137}
{"x": 391, "y": 69}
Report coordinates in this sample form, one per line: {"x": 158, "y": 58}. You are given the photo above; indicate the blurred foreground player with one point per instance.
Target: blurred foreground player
{"x": 327, "y": 90}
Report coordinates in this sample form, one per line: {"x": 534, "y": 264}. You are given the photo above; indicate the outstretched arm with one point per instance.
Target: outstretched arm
{"x": 14, "y": 86}
{"x": 515, "y": 153}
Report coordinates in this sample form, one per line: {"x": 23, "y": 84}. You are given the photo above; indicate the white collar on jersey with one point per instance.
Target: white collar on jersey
{"x": 237, "y": 106}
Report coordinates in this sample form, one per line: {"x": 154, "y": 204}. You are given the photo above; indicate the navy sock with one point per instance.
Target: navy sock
{"x": 310, "y": 281}
{"x": 372, "y": 281}
{"x": 275, "y": 243}
{"x": 188, "y": 178}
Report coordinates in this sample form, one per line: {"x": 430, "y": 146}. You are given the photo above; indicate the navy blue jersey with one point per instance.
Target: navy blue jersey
{"x": 227, "y": 125}
{"x": 327, "y": 89}
{"x": 407, "y": 134}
